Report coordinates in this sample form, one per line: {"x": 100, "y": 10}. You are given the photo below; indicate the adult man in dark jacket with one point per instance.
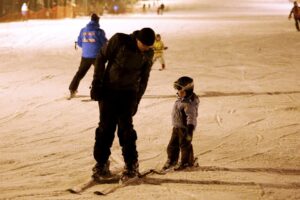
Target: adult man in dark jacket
{"x": 119, "y": 87}
{"x": 91, "y": 38}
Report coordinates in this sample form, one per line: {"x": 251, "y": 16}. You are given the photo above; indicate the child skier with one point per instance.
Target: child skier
{"x": 159, "y": 48}
{"x": 184, "y": 121}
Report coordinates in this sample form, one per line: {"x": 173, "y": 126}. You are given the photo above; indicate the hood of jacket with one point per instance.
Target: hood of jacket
{"x": 92, "y": 25}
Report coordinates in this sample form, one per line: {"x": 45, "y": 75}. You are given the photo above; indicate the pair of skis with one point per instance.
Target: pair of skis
{"x": 130, "y": 181}
{"x": 114, "y": 179}
{"x": 117, "y": 179}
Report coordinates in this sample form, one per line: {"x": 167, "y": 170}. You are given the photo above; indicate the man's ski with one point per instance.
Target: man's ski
{"x": 76, "y": 96}
{"x": 90, "y": 183}
{"x": 130, "y": 181}
{"x": 87, "y": 100}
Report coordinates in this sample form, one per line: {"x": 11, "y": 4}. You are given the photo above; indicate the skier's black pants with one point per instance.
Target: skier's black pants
{"x": 179, "y": 143}
{"x": 116, "y": 110}
{"x": 85, "y": 65}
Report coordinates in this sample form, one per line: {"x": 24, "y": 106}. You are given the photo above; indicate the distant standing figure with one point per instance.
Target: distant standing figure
{"x": 296, "y": 13}
{"x": 90, "y": 39}
{"x": 116, "y": 9}
{"x": 24, "y": 11}
{"x": 184, "y": 121}
{"x": 160, "y": 9}
{"x": 159, "y": 48}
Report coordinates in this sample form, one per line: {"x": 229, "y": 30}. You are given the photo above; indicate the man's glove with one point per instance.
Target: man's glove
{"x": 97, "y": 90}
{"x": 190, "y": 130}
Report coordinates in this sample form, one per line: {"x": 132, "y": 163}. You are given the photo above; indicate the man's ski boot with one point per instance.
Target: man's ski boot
{"x": 101, "y": 172}
{"x": 130, "y": 171}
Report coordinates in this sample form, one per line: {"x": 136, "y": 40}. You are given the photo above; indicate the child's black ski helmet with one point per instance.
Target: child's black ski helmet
{"x": 185, "y": 83}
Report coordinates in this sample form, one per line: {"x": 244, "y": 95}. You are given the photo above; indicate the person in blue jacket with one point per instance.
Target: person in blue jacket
{"x": 91, "y": 38}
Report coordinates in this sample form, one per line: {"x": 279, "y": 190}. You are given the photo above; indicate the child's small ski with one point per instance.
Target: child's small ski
{"x": 175, "y": 169}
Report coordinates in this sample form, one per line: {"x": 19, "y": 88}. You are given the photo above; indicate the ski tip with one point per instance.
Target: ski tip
{"x": 73, "y": 191}
{"x": 99, "y": 193}
{"x": 87, "y": 100}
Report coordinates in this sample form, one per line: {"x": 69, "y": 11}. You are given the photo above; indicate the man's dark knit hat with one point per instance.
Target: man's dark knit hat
{"x": 146, "y": 36}
{"x": 95, "y": 17}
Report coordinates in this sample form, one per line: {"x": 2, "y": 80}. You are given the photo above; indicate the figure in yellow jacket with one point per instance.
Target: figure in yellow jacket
{"x": 159, "y": 48}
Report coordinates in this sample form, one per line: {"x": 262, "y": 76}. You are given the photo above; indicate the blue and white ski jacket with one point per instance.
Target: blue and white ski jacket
{"x": 91, "y": 38}
{"x": 185, "y": 111}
